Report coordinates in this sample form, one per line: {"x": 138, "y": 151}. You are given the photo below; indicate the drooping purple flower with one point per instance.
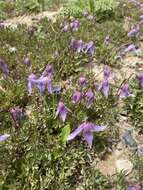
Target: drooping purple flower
{"x": 75, "y": 25}
{"x": 140, "y": 79}
{"x": 104, "y": 87}
{"x": 77, "y": 45}
{"x": 141, "y": 17}
{"x": 26, "y": 61}
{"x": 16, "y": 113}
{"x": 2, "y": 25}
{"x": 87, "y": 129}
{"x": 62, "y": 111}
{"x": 77, "y": 97}
{"x": 107, "y": 40}
{"x": 107, "y": 73}
{"x": 31, "y": 30}
{"x": 90, "y": 98}
{"x": 124, "y": 91}
{"x": 4, "y": 67}
{"x": 82, "y": 81}
{"x": 130, "y": 48}
{"x": 44, "y": 82}
{"x": 66, "y": 28}
{"x": 4, "y": 137}
{"x": 89, "y": 48}
{"x": 48, "y": 71}
{"x": 31, "y": 82}
{"x": 135, "y": 187}
{"x": 133, "y": 32}
{"x": 88, "y": 15}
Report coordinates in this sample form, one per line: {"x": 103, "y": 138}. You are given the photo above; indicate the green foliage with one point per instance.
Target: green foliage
{"x": 135, "y": 106}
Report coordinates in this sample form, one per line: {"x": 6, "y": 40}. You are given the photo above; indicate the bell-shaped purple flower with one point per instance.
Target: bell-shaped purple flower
{"x": 90, "y": 98}
{"x": 89, "y": 48}
{"x": 104, "y": 87}
{"x": 141, "y": 17}
{"x": 82, "y": 81}
{"x": 140, "y": 79}
{"x": 66, "y": 28}
{"x": 16, "y": 113}
{"x": 49, "y": 71}
{"x": 130, "y": 48}
{"x": 77, "y": 45}
{"x": 75, "y": 25}
{"x": 77, "y": 97}
{"x": 135, "y": 187}
{"x": 107, "y": 73}
{"x": 87, "y": 129}
{"x": 31, "y": 82}
{"x": 133, "y": 32}
{"x": 44, "y": 82}
{"x": 26, "y": 61}
{"x": 62, "y": 111}
{"x": 4, "y": 67}
{"x": 124, "y": 91}
{"x": 107, "y": 40}
{"x": 4, "y": 137}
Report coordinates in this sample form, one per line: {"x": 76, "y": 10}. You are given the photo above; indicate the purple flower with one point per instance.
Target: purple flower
{"x": 89, "y": 48}
{"x": 107, "y": 72}
{"x": 87, "y": 129}
{"x": 141, "y": 17}
{"x": 2, "y": 25}
{"x": 26, "y": 61}
{"x": 104, "y": 87}
{"x": 140, "y": 79}
{"x": 62, "y": 111}
{"x": 90, "y": 98}
{"x": 16, "y": 113}
{"x": 31, "y": 82}
{"x": 77, "y": 97}
{"x": 77, "y": 45}
{"x": 82, "y": 81}
{"x": 88, "y": 15}
{"x": 133, "y": 32}
{"x": 75, "y": 25}
{"x": 44, "y": 82}
{"x": 4, "y": 67}
{"x": 124, "y": 91}
{"x": 136, "y": 187}
{"x": 31, "y": 30}
{"x": 4, "y": 137}
{"x": 66, "y": 28}
{"x": 107, "y": 40}
{"x": 130, "y": 48}
{"x": 48, "y": 71}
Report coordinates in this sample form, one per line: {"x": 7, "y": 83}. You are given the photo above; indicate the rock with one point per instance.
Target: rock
{"x": 124, "y": 165}
{"x": 140, "y": 150}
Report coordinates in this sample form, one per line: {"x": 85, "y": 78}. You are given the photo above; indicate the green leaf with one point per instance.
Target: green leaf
{"x": 65, "y": 132}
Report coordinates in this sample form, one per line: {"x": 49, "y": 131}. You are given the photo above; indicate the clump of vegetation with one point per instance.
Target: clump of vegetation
{"x": 57, "y": 117}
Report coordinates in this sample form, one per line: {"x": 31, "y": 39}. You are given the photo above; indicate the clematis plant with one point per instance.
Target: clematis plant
{"x": 133, "y": 32}
{"x": 87, "y": 129}
{"x": 82, "y": 81}
{"x": 62, "y": 111}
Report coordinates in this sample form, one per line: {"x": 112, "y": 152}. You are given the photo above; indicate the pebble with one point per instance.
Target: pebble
{"x": 124, "y": 165}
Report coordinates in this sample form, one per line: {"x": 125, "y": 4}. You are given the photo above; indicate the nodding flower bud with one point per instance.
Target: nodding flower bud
{"x": 26, "y": 61}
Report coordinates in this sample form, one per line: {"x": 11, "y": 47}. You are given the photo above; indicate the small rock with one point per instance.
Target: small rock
{"x": 124, "y": 165}
{"x": 140, "y": 151}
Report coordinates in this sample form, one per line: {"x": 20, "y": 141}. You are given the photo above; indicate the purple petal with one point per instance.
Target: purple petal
{"x": 89, "y": 138}
{"x": 75, "y": 133}
{"x": 98, "y": 128}
{"x": 31, "y": 82}
{"x": 4, "y": 137}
